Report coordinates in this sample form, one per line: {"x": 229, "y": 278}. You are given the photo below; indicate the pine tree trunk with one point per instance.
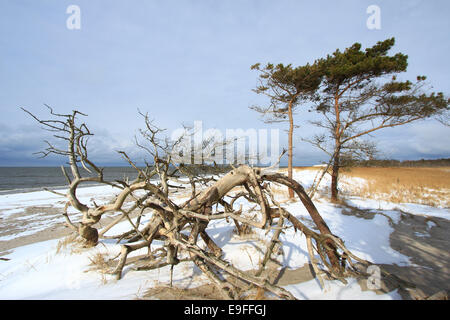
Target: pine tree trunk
{"x": 335, "y": 176}
{"x": 290, "y": 151}
{"x": 337, "y": 137}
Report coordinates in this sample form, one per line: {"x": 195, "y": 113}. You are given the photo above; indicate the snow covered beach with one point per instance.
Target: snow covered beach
{"x": 372, "y": 229}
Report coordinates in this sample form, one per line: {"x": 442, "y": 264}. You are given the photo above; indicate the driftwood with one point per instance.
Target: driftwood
{"x": 180, "y": 225}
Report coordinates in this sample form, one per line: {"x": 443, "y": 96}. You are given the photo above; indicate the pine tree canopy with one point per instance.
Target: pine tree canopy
{"x": 355, "y": 65}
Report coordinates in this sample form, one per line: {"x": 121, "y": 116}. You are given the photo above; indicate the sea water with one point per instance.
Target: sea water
{"x": 27, "y": 179}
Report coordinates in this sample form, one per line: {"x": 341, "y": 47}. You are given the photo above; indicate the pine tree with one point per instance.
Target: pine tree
{"x": 287, "y": 87}
{"x": 360, "y": 94}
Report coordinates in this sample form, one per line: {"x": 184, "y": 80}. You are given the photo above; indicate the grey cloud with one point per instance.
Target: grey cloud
{"x": 418, "y": 140}
{"x": 19, "y": 144}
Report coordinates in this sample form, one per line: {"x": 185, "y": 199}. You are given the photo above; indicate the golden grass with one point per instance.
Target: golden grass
{"x": 100, "y": 263}
{"x": 429, "y": 186}
{"x": 67, "y": 242}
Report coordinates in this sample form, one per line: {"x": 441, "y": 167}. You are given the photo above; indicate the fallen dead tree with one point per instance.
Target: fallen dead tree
{"x": 181, "y": 226}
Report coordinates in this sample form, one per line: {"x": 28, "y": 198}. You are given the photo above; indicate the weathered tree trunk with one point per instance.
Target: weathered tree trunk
{"x": 169, "y": 218}
{"x": 314, "y": 214}
{"x": 217, "y": 191}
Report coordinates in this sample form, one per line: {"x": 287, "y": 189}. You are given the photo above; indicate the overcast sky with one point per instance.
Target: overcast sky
{"x": 182, "y": 61}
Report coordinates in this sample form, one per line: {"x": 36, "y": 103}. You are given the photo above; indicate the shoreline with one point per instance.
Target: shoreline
{"x": 35, "y": 216}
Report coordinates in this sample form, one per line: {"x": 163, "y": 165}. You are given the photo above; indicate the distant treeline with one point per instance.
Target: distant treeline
{"x": 404, "y": 163}
{"x": 205, "y": 169}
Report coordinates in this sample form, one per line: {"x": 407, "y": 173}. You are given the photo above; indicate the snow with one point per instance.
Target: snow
{"x": 38, "y": 271}
{"x": 347, "y": 184}
{"x": 12, "y": 208}
{"x": 412, "y": 208}
{"x": 11, "y": 202}
{"x": 336, "y": 290}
